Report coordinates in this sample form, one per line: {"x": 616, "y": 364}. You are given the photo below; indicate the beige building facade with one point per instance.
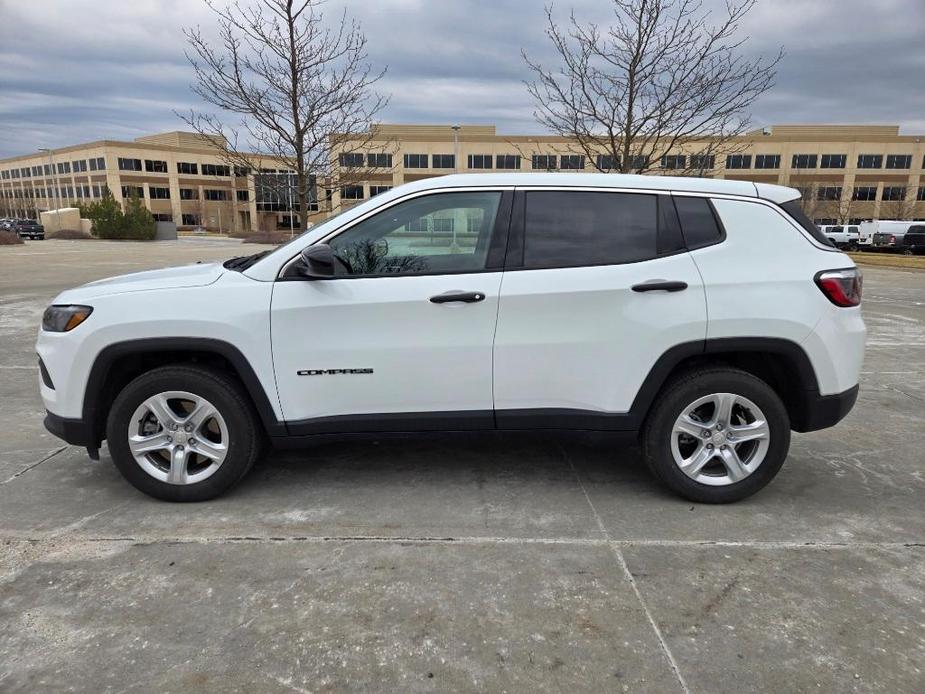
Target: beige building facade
{"x": 846, "y": 172}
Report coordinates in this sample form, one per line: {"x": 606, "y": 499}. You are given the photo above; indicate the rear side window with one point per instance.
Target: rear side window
{"x": 794, "y": 209}
{"x": 575, "y": 228}
{"x": 698, "y": 223}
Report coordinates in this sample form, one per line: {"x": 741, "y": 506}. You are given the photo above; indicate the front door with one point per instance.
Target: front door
{"x": 401, "y": 337}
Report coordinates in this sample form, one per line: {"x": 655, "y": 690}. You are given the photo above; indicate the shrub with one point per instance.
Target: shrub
{"x": 277, "y": 237}
{"x": 68, "y": 234}
{"x": 110, "y": 222}
{"x": 8, "y": 238}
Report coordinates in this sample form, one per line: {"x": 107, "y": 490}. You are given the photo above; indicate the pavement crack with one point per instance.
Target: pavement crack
{"x": 33, "y": 465}
{"x": 621, "y": 560}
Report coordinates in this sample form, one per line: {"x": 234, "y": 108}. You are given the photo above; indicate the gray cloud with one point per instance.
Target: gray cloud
{"x": 78, "y": 70}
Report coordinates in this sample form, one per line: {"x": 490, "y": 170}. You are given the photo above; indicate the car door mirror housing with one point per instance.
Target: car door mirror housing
{"x": 317, "y": 262}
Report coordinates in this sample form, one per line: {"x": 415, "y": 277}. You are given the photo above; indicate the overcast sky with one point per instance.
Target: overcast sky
{"x": 74, "y": 71}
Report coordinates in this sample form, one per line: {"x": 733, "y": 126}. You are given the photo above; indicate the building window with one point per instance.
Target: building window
{"x": 376, "y": 190}
{"x": 158, "y": 193}
{"x": 82, "y": 192}
{"x": 81, "y": 165}
{"x": 127, "y": 164}
{"x": 572, "y": 162}
{"x": 893, "y": 193}
{"x": 834, "y": 161}
{"x": 739, "y": 161}
{"x": 607, "y": 162}
{"x": 544, "y": 162}
{"x": 191, "y": 220}
{"x": 351, "y": 160}
{"x": 703, "y": 162}
{"x": 64, "y": 167}
{"x": 25, "y": 172}
{"x": 899, "y": 161}
{"x": 444, "y": 161}
{"x": 15, "y": 173}
{"x": 864, "y": 193}
{"x": 155, "y": 166}
{"x": 242, "y": 171}
{"x": 242, "y": 195}
{"x": 674, "y": 161}
{"x": 870, "y": 161}
{"x": 162, "y": 217}
{"x": 828, "y": 193}
{"x": 415, "y": 161}
{"x": 133, "y": 192}
{"x": 379, "y": 160}
{"x": 767, "y": 161}
{"x": 921, "y": 194}
{"x": 804, "y": 161}
{"x": 187, "y": 167}
{"x": 215, "y": 194}
{"x": 189, "y": 194}
{"x": 507, "y": 161}
{"x": 216, "y": 170}
{"x": 479, "y": 161}
{"x": 444, "y": 225}
{"x": 351, "y": 192}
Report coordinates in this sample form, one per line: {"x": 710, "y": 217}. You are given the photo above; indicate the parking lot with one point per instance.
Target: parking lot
{"x": 461, "y": 564}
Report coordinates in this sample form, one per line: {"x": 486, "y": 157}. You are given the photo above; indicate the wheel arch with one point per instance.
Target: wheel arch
{"x": 781, "y": 363}
{"x": 119, "y": 363}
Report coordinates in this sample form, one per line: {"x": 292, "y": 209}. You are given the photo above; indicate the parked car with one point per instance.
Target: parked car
{"x": 884, "y": 234}
{"x": 913, "y": 242}
{"x": 28, "y": 229}
{"x": 846, "y": 237}
{"x": 708, "y": 317}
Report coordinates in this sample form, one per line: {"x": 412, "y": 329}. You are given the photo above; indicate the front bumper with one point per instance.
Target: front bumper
{"x": 74, "y": 431}
{"x": 824, "y": 411}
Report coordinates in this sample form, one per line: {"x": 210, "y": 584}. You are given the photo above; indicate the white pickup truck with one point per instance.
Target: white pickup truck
{"x": 846, "y": 236}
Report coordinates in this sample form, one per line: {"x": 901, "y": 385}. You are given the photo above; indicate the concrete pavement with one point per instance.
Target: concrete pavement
{"x": 462, "y": 564}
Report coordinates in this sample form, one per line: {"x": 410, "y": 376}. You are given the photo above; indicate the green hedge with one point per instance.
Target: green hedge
{"x": 110, "y": 222}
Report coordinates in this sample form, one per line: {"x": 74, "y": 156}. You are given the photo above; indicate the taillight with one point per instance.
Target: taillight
{"x": 841, "y": 287}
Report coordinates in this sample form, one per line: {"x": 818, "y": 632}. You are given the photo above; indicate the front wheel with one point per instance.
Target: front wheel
{"x": 717, "y": 435}
{"x": 183, "y": 433}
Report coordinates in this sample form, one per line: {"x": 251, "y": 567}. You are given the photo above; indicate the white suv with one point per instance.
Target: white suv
{"x": 711, "y": 317}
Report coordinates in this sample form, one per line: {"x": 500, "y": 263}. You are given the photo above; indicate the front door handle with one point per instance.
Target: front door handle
{"x": 659, "y": 286}
{"x": 464, "y": 297}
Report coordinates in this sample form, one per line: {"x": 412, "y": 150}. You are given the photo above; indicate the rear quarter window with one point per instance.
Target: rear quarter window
{"x": 698, "y": 222}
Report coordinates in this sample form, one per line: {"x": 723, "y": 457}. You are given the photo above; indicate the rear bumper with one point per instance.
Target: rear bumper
{"x": 824, "y": 411}
{"x": 74, "y": 431}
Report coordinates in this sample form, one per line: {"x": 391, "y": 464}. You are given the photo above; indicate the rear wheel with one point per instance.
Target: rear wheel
{"x": 182, "y": 433}
{"x": 717, "y": 435}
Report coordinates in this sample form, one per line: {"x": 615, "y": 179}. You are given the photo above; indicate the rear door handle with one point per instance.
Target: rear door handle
{"x": 659, "y": 286}
{"x": 464, "y": 297}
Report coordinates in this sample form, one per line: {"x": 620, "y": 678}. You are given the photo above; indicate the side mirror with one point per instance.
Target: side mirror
{"x": 317, "y": 262}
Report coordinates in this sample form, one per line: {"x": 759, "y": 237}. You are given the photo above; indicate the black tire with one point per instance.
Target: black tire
{"x": 229, "y": 398}
{"x": 686, "y": 389}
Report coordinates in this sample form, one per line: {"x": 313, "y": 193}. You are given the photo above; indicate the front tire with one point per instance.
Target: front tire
{"x": 716, "y": 435}
{"x": 183, "y": 433}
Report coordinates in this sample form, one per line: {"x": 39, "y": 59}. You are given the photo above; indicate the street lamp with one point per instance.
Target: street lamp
{"x": 54, "y": 178}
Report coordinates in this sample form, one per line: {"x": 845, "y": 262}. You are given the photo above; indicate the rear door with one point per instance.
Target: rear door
{"x": 597, "y": 286}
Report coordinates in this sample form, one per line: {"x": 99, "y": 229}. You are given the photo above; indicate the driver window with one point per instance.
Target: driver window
{"x": 433, "y": 234}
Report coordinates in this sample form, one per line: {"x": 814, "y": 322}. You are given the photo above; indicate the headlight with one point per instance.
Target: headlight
{"x": 60, "y": 319}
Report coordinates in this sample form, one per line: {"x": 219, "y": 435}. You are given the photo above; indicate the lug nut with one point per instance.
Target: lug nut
{"x": 719, "y": 425}
{"x": 170, "y": 439}
{"x": 188, "y": 427}
{"x": 710, "y": 446}
{"x": 706, "y": 432}
{"x": 192, "y": 442}
{"x": 722, "y": 448}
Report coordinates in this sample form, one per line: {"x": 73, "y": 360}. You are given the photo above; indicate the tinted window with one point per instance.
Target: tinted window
{"x": 569, "y": 229}
{"x": 698, "y": 223}
{"x": 799, "y": 216}
{"x": 441, "y": 233}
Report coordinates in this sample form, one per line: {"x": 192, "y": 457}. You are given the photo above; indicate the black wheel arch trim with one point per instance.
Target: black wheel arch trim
{"x": 108, "y": 356}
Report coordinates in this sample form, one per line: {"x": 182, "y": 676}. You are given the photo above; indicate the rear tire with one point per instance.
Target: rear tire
{"x": 183, "y": 433}
{"x": 728, "y": 453}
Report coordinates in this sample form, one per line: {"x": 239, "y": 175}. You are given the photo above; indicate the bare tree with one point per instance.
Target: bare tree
{"x": 899, "y": 208}
{"x": 659, "y": 76}
{"x": 298, "y": 86}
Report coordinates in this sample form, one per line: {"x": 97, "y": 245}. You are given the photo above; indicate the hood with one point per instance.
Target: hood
{"x": 198, "y": 275}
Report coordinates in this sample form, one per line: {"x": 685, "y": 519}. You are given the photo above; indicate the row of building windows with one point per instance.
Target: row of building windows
{"x": 67, "y": 192}
{"x": 861, "y": 193}
{"x": 61, "y": 167}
